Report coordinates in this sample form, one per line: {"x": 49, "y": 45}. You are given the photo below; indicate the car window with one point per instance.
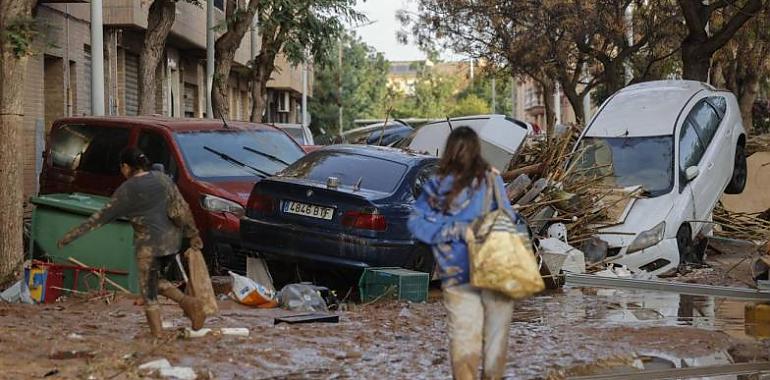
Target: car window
{"x": 720, "y": 103}
{"x": 690, "y": 150}
{"x": 706, "y": 121}
{"x": 266, "y": 150}
{"x": 373, "y": 173}
{"x": 296, "y": 133}
{"x": 422, "y": 178}
{"x": 88, "y": 148}
{"x": 157, "y": 151}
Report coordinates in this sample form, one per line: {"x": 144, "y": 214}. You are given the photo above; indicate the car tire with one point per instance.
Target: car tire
{"x": 684, "y": 244}
{"x": 740, "y": 172}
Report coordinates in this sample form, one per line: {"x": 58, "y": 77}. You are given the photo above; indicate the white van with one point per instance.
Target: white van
{"x": 681, "y": 141}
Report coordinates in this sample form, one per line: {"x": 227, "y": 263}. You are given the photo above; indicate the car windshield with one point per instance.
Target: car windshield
{"x": 369, "y": 173}
{"x": 218, "y": 154}
{"x": 629, "y": 161}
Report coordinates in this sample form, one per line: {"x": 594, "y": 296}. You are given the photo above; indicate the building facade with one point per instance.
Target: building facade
{"x": 59, "y": 71}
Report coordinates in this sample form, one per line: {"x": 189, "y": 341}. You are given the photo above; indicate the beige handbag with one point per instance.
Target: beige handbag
{"x": 501, "y": 258}
{"x": 200, "y": 285}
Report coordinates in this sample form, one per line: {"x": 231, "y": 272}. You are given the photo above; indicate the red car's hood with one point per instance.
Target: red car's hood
{"x": 237, "y": 191}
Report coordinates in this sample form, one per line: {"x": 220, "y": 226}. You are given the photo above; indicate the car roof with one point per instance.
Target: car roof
{"x": 645, "y": 109}
{"x": 162, "y": 122}
{"x": 386, "y": 153}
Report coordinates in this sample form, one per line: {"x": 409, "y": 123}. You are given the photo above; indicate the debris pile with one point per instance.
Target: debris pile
{"x": 547, "y": 188}
{"x": 741, "y": 226}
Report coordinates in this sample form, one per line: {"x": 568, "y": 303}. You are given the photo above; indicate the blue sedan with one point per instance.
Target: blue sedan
{"x": 344, "y": 206}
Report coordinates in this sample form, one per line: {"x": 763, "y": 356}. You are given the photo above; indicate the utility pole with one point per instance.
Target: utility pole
{"x": 304, "y": 95}
{"x": 97, "y": 59}
{"x": 494, "y": 96}
{"x": 557, "y": 102}
{"x": 629, "y": 23}
{"x": 339, "y": 81}
{"x": 471, "y": 70}
{"x": 209, "y": 56}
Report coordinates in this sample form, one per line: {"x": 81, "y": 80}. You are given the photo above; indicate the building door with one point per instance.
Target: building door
{"x": 132, "y": 84}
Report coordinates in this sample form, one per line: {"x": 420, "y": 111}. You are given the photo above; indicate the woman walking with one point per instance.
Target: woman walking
{"x": 478, "y": 320}
{"x": 160, "y": 218}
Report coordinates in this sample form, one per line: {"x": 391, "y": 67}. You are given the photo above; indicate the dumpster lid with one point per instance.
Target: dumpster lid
{"x": 75, "y": 202}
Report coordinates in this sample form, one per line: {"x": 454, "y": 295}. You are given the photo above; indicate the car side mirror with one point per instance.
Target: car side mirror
{"x": 691, "y": 172}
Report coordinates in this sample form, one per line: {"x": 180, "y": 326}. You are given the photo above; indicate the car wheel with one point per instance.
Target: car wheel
{"x": 740, "y": 172}
{"x": 685, "y": 244}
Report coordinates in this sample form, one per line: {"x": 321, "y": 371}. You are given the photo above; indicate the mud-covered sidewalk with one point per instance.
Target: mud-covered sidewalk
{"x": 567, "y": 332}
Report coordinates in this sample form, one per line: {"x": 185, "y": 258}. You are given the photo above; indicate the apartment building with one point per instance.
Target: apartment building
{"x": 59, "y": 71}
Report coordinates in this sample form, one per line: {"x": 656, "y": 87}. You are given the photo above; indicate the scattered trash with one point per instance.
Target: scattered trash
{"x": 75, "y": 336}
{"x": 51, "y": 373}
{"x": 302, "y": 297}
{"x": 71, "y": 354}
{"x": 234, "y": 331}
{"x": 155, "y": 365}
{"x": 165, "y": 369}
{"x": 189, "y": 333}
{"x": 256, "y": 269}
{"x": 180, "y": 373}
{"x": 560, "y": 256}
{"x": 308, "y": 318}
{"x": 18, "y": 292}
{"x": 248, "y": 292}
{"x": 404, "y": 313}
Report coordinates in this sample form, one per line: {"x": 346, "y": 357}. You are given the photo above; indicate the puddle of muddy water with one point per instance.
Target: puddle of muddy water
{"x": 612, "y": 307}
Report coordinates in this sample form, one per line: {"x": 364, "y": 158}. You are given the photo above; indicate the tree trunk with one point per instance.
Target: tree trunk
{"x": 263, "y": 68}
{"x": 695, "y": 61}
{"x": 746, "y": 98}
{"x": 160, "y": 19}
{"x": 13, "y": 64}
{"x": 547, "y": 88}
{"x": 576, "y": 101}
{"x": 224, "y": 52}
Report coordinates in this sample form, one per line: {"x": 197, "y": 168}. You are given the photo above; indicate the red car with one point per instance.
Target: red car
{"x": 215, "y": 165}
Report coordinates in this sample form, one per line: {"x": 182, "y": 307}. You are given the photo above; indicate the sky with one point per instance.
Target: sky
{"x": 382, "y": 33}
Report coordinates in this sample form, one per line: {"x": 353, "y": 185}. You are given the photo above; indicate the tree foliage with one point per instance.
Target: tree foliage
{"x": 302, "y": 30}
{"x": 363, "y": 78}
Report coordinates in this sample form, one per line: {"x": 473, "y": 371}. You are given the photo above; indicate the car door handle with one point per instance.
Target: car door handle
{"x": 710, "y": 166}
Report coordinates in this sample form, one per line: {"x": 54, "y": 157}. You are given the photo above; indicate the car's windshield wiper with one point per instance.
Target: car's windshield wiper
{"x": 234, "y": 161}
{"x": 266, "y": 155}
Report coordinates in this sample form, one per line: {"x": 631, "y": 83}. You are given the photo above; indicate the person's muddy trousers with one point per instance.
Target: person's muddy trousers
{"x": 152, "y": 277}
{"x": 478, "y": 323}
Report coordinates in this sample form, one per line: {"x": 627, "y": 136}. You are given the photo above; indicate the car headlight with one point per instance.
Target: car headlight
{"x": 217, "y": 204}
{"x": 648, "y": 238}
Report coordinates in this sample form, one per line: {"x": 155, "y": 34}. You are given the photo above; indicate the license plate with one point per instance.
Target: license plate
{"x": 309, "y": 210}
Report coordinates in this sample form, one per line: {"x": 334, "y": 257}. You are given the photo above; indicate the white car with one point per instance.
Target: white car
{"x": 681, "y": 141}
{"x": 298, "y": 132}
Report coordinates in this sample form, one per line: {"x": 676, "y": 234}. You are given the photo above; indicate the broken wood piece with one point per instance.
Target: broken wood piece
{"x": 536, "y": 189}
{"x": 518, "y": 187}
{"x": 113, "y": 283}
{"x": 529, "y": 169}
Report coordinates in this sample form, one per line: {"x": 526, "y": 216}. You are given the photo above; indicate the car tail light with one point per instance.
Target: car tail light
{"x": 365, "y": 220}
{"x": 261, "y": 203}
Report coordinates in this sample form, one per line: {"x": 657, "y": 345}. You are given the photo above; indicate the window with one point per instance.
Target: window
{"x": 88, "y": 148}
{"x": 220, "y": 4}
{"x": 619, "y": 162}
{"x": 706, "y": 121}
{"x": 719, "y": 103}
{"x": 422, "y": 178}
{"x": 690, "y": 150}
{"x": 156, "y": 149}
{"x": 373, "y": 173}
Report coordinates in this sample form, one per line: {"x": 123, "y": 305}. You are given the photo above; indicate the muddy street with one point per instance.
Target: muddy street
{"x": 559, "y": 334}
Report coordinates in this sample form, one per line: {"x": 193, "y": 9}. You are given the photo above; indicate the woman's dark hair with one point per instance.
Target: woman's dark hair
{"x": 462, "y": 160}
{"x": 135, "y": 158}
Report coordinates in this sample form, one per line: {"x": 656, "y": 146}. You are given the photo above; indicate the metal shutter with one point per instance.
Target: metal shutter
{"x": 132, "y": 84}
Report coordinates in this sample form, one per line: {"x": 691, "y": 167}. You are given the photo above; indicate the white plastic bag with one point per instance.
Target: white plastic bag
{"x": 248, "y": 292}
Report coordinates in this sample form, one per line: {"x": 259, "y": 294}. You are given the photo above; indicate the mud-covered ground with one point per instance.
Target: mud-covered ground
{"x": 572, "y": 331}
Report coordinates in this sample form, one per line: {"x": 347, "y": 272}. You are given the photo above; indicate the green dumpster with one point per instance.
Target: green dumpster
{"x": 110, "y": 247}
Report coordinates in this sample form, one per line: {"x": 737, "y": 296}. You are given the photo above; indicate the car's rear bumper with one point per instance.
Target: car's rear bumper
{"x": 658, "y": 259}
{"x": 292, "y": 243}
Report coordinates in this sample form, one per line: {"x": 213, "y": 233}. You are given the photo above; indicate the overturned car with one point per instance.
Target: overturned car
{"x": 683, "y": 144}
